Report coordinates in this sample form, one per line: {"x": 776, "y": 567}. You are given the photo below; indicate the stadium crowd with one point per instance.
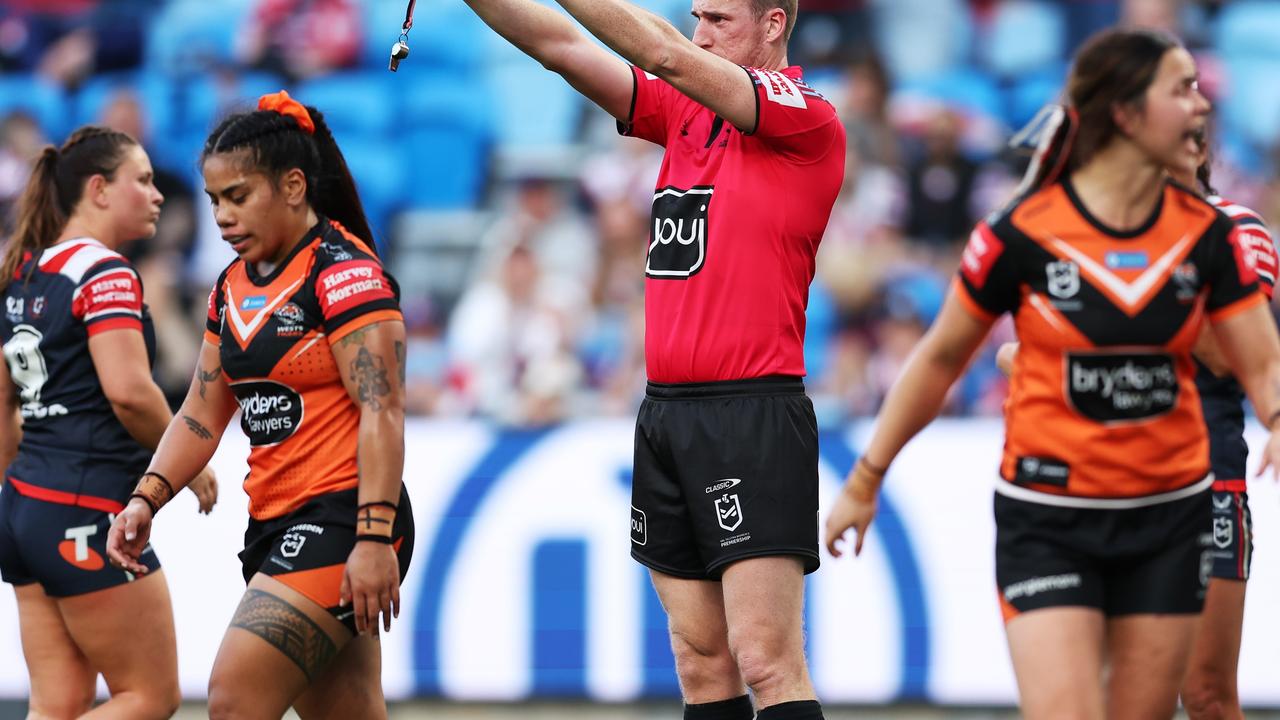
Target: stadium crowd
{"x": 516, "y": 218}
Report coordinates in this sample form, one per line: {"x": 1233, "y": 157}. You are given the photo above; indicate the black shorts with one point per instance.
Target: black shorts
{"x": 59, "y": 539}
{"x": 1232, "y": 531}
{"x": 724, "y": 471}
{"x": 1141, "y": 560}
{"x": 308, "y": 548}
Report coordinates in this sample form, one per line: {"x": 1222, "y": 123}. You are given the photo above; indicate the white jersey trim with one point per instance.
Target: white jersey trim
{"x": 1017, "y": 492}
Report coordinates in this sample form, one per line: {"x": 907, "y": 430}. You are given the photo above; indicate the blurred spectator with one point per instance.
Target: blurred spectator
{"x": 539, "y": 217}
{"x": 301, "y": 39}
{"x": 177, "y": 306}
{"x": 827, "y": 31}
{"x": 939, "y": 185}
{"x": 66, "y": 41}
{"x": 20, "y": 144}
{"x": 864, "y": 109}
{"x": 511, "y": 347}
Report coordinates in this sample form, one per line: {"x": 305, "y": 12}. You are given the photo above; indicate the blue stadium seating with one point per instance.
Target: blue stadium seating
{"x": 358, "y": 102}
{"x": 43, "y": 101}
{"x": 1251, "y": 105}
{"x": 190, "y": 36}
{"x": 448, "y": 165}
{"x": 1249, "y": 28}
{"x": 535, "y": 108}
{"x": 1024, "y": 36}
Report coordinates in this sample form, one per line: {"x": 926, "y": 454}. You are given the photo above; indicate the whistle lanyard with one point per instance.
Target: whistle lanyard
{"x": 408, "y": 19}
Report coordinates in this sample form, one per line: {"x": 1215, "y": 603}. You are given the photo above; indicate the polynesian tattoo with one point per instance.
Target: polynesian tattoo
{"x": 287, "y": 629}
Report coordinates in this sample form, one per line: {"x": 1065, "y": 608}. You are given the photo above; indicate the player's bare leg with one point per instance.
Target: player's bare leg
{"x": 1057, "y": 658}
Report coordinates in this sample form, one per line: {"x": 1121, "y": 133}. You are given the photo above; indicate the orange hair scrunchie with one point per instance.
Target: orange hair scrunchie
{"x": 281, "y": 103}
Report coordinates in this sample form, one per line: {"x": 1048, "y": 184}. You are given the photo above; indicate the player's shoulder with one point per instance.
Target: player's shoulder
{"x": 1238, "y": 213}
{"x": 82, "y": 259}
{"x": 336, "y": 245}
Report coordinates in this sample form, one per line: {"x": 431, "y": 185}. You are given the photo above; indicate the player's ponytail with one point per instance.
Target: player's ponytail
{"x": 1113, "y": 68}
{"x": 54, "y": 190}
{"x": 283, "y": 134}
{"x": 336, "y": 196}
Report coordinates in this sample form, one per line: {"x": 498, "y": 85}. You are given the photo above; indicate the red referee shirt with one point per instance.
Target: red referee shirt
{"x": 736, "y": 223}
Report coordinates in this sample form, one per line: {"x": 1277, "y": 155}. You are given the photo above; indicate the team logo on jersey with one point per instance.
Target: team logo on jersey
{"x": 37, "y": 307}
{"x": 678, "y": 243}
{"x": 336, "y": 251}
{"x": 639, "y": 526}
{"x": 270, "y": 412}
{"x": 289, "y": 319}
{"x": 13, "y": 308}
{"x": 1064, "y": 279}
{"x": 728, "y": 512}
{"x": 1222, "y": 532}
{"x": 75, "y": 549}
{"x": 1112, "y": 387}
{"x": 1186, "y": 281}
{"x": 254, "y": 302}
{"x": 1127, "y": 260}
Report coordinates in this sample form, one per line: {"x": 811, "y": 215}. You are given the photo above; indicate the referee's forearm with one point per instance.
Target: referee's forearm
{"x": 535, "y": 29}
{"x": 639, "y": 36}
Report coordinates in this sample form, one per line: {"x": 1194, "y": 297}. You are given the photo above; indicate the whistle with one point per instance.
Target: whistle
{"x": 399, "y": 51}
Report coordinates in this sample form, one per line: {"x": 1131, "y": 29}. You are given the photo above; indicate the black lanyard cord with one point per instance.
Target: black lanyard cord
{"x": 408, "y": 15}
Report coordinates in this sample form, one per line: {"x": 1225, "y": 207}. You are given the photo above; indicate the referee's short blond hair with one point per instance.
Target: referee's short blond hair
{"x": 788, "y": 6}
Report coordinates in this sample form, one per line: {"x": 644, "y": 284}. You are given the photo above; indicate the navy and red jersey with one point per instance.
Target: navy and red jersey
{"x": 1221, "y": 395}
{"x": 71, "y": 438}
{"x": 274, "y": 334}
{"x": 736, "y": 223}
{"x": 1102, "y": 399}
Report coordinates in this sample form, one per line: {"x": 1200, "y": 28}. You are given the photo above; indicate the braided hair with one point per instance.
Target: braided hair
{"x": 277, "y": 143}
{"x": 56, "y": 187}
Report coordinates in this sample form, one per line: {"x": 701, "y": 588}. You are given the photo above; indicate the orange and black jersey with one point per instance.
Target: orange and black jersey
{"x": 1102, "y": 400}
{"x": 275, "y": 334}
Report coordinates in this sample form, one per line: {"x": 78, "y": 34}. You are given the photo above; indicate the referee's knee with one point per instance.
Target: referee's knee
{"x": 765, "y": 663}
{"x": 705, "y": 666}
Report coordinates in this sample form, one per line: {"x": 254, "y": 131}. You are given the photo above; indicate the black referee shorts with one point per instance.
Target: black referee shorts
{"x": 724, "y": 471}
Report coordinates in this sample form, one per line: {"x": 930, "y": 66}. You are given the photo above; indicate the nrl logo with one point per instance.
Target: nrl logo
{"x": 1064, "y": 279}
{"x": 729, "y": 512}
{"x": 1222, "y": 531}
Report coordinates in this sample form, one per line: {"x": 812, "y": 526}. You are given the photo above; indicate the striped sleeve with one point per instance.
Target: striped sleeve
{"x": 109, "y": 297}
{"x": 1256, "y": 242}
{"x": 217, "y": 303}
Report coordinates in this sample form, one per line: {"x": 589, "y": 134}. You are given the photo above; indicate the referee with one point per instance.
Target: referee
{"x": 725, "y": 496}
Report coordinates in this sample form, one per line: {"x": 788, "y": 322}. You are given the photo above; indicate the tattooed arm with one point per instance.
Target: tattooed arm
{"x": 182, "y": 457}
{"x": 372, "y": 363}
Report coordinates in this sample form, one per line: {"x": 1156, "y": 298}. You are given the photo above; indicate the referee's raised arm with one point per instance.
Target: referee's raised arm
{"x": 552, "y": 39}
{"x": 692, "y": 67}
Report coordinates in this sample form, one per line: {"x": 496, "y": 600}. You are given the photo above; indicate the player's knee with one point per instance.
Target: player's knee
{"x": 66, "y": 703}
{"x": 701, "y": 660}
{"x": 227, "y": 704}
{"x": 157, "y": 703}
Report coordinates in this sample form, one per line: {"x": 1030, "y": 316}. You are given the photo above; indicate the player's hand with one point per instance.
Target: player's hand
{"x": 371, "y": 585}
{"x": 128, "y": 536}
{"x": 1004, "y": 357}
{"x": 855, "y": 508}
{"x": 205, "y": 488}
{"x": 1271, "y": 456}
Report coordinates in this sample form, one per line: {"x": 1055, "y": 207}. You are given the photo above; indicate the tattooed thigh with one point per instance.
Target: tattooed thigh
{"x": 287, "y": 629}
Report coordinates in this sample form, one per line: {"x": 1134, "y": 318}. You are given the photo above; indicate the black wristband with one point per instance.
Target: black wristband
{"x": 162, "y": 479}
{"x": 154, "y": 510}
{"x": 380, "y": 539}
{"x": 378, "y": 503}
